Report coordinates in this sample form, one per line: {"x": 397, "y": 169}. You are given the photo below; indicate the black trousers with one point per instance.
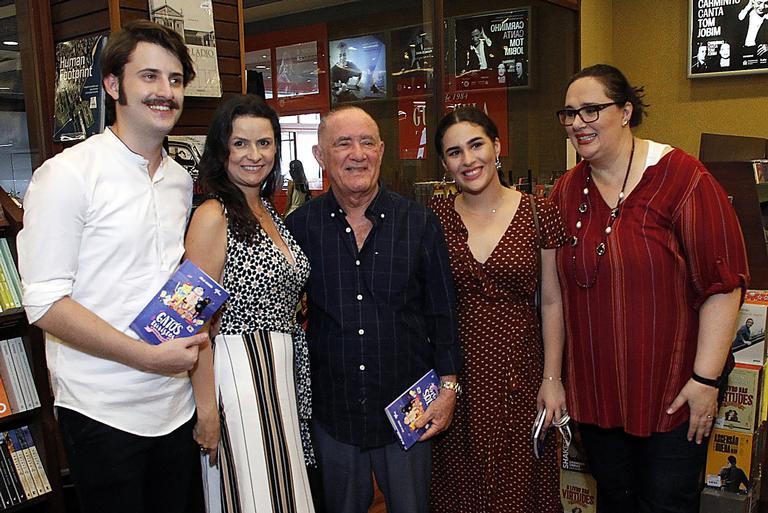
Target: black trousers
{"x": 121, "y": 472}
{"x": 656, "y": 474}
{"x": 403, "y": 476}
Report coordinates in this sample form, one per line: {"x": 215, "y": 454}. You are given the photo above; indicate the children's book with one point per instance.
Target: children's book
{"x": 404, "y": 411}
{"x": 181, "y": 307}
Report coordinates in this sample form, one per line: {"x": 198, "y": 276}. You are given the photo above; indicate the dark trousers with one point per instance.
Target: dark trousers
{"x": 120, "y": 472}
{"x": 656, "y": 474}
{"x": 402, "y": 476}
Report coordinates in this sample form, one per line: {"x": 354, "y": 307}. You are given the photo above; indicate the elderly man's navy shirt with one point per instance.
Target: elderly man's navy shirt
{"x": 380, "y": 317}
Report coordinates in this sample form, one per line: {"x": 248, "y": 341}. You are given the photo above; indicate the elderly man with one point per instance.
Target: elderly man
{"x": 381, "y": 308}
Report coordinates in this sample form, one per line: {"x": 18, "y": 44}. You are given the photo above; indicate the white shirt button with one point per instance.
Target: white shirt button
{"x": 361, "y": 331}
{"x": 333, "y": 214}
{"x": 357, "y": 262}
{"x": 382, "y": 216}
{"x": 362, "y": 367}
{"x": 359, "y": 297}
{"x": 348, "y": 229}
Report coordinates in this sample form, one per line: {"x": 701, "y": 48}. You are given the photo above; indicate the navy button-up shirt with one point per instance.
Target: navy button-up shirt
{"x": 380, "y": 317}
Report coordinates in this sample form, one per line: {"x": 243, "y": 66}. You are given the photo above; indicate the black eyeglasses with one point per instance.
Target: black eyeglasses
{"x": 588, "y": 114}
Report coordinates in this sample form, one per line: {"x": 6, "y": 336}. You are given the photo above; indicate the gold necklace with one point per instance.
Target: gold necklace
{"x": 490, "y": 212}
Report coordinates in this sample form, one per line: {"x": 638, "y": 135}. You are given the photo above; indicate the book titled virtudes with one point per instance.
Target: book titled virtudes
{"x": 404, "y": 411}
{"x": 180, "y": 308}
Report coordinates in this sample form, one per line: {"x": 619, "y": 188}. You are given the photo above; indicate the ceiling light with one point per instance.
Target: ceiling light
{"x": 11, "y": 43}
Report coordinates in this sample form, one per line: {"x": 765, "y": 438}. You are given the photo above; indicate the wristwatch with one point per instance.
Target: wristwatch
{"x": 451, "y": 385}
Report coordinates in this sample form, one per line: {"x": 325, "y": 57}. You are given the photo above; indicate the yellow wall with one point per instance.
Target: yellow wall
{"x": 648, "y": 41}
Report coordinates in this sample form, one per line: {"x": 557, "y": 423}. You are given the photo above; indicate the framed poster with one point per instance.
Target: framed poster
{"x": 727, "y": 37}
{"x": 412, "y": 61}
{"x": 493, "y": 49}
{"x": 358, "y": 68}
{"x": 79, "y": 99}
{"x": 297, "y": 69}
{"x": 193, "y": 20}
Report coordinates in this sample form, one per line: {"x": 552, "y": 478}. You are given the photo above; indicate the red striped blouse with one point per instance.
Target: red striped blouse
{"x": 631, "y": 337}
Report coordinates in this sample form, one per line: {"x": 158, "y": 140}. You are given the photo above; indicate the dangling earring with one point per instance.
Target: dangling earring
{"x": 624, "y": 123}
{"x": 498, "y": 164}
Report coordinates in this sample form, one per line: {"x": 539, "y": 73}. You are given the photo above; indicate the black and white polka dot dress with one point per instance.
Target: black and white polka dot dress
{"x": 485, "y": 463}
{"x": 257, "y": 374}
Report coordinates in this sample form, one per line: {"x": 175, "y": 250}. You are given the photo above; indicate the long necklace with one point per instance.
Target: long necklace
{"x": 601, "y": 248}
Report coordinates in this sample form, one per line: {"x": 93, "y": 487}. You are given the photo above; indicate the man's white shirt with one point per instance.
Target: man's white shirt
{"x": 98, "y": 229}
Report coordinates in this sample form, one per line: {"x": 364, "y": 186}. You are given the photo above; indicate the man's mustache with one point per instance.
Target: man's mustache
{"x": 171, "y": 104}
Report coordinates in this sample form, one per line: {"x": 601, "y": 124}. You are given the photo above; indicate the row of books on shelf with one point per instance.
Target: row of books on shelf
{"x": 17, "y": 387}
{"x": 10, "y": 283}
{"x": 22, "y": 475}
{"x": 736, "y": 454}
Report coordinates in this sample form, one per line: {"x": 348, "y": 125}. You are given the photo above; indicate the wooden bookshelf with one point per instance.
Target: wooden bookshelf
{"x": 41, "y": 420}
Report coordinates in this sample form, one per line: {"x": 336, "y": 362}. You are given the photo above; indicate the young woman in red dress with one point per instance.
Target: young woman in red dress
{"x": 485, "y": 463}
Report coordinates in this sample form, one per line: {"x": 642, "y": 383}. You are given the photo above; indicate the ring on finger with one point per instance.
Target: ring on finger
{"x": 709, "y": 417}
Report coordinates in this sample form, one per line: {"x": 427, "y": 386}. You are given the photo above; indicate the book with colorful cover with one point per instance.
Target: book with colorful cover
{"x": 187, "y": 301}
{"x": 404, "y": 411}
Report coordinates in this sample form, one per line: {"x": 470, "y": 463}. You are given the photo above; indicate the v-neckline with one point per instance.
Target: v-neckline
{"x": 498, "y": 242}
{"x": 293, "y": 264}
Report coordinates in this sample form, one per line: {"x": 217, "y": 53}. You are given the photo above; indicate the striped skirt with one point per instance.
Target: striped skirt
{"x": 261, "y": 463}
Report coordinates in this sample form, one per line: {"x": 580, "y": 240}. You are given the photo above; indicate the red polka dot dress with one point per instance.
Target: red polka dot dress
{"x": 485, "y": 462}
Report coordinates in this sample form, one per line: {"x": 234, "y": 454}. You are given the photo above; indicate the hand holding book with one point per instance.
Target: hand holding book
{"x": 175, "y": 357}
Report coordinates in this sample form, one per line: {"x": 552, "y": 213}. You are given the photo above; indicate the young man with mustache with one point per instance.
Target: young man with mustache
{"x": 103, "y": 230}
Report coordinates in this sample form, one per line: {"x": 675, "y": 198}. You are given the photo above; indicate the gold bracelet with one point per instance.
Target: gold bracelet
{"x": 551, "y": 378}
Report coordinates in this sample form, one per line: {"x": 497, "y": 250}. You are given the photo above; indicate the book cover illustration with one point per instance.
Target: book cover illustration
{"x": 187, "y": 300}
{"x": 578, "y": 492}
{"x": 79, "y": 97}
{"x": 749, "y": 340}
{"x": 739, "y": 408}
{"x": 728, "y": 449}
{"x": 404, "y": 411}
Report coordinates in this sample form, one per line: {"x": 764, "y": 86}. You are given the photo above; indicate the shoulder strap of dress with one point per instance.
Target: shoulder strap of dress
{"x": 538, "y": 253}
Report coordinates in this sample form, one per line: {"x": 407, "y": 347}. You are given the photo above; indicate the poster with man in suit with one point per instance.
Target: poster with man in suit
{"x": 733, "y": 35}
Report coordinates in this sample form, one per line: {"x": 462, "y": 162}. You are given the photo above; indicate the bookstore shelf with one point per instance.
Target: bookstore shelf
{"x": 30, "y": 475}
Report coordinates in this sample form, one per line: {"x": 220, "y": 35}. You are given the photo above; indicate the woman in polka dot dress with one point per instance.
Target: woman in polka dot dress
{"x": 485, "y": 463}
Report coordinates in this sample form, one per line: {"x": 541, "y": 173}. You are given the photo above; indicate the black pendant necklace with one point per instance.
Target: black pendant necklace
{"x": 602, "y": 247}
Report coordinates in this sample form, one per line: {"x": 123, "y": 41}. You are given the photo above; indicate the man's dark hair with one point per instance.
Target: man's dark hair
{"x": 213, "y": 163}
{"x": 121, "y": 45}
{"x": 732, "y": 459}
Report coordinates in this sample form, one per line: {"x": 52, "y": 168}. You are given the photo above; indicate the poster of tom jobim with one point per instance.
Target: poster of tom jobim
{"x": 497, "y": 42}
{"x": 727, "y": 37}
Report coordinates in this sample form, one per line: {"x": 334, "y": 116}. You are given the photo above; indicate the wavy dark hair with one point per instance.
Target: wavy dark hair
{"x": 121, "y": 45}
{"x": 213, "y": 164}
{"x": 617, "y": 88}
{"x": 469, "y": 114}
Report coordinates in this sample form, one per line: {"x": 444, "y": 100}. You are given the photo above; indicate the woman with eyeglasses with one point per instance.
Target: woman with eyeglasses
{"x": 652, "y": 279}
